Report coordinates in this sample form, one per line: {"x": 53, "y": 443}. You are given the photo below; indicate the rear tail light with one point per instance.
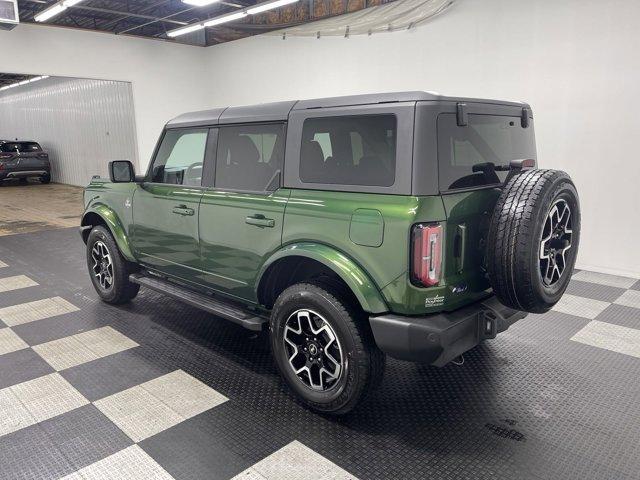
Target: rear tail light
{"x": 43, "y": 155}
{"x": 426, "y": 254}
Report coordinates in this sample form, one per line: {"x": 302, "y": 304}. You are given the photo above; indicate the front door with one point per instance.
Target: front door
{"x": 166, "y": 206}
{"x": 242, "y": 213}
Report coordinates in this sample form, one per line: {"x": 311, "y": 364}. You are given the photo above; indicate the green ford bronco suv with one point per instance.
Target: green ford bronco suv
{"x": 407, "y": 224}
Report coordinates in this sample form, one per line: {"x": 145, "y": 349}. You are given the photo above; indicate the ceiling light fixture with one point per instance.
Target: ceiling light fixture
{"x": 184, "y": 30}
{"x": 259, "y": 8}
{"x": 225, "y": 19}
{"x": 23, "y": 82}
{"x": 55, "y": 9}
{"x": 199, "y": 3}
{"x": 263, "y": 7}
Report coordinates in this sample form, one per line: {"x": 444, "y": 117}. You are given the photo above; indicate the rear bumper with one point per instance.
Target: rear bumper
{"x": 35, "y": 172}
{"x": 439, "y": 338}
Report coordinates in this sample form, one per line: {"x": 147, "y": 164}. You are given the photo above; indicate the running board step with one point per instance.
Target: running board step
{"x": 221, "y": 308}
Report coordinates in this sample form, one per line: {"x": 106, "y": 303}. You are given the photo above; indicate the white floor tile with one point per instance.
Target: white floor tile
{"x": 611, "y": 337}
{"x": 10, "y": 341}
{"x": 14, "y": 283}
{"x": 580, "y": 306}
{"x": 13, "y": 415}
{"x": 38, "y": 310}
{"x": 152, "y": 407}
{"x": 49, "y": 396}
{"x": 295, "y": 461}
{"x": 630, "y": 298}
{"x": 138, "y": 413}
{"x": 83, "y": 347}
{"x": 604, "y": 279}
{"x": 37, "y": 400}
{"x": 184, "y": 394}
{"x": 132, "y": 463}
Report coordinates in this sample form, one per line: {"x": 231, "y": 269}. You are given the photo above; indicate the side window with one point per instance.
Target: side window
{"x": 250, "y": 157}
{"x": 354, "y": 150}
{"x": 180, "y": 157}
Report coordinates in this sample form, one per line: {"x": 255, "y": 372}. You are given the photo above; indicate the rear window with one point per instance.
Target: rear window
{"x": 353, "y": 150}
{"x": 478, "y": 154}
{"x": 22, "y": 147}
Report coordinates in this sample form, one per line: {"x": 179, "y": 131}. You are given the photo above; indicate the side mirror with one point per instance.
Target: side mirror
{"x": 121, "y": 171}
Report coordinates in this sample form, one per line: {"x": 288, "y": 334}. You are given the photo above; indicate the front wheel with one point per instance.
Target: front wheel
{"x": 108, "y": 269}
{"x": 324, "y": 348}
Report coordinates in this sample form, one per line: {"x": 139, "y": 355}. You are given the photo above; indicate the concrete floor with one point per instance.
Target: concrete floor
{"x": 33, "y": 207}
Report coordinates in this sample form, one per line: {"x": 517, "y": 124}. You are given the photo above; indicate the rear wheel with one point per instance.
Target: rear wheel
{"x": 108, "y": 269}
{"x": 45, "y": 178}
{"x": 324, "y": 348}
{"x": 533, "y": 240}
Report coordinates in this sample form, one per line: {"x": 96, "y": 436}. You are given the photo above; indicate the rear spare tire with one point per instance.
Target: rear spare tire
{"x": 533, "y": 240}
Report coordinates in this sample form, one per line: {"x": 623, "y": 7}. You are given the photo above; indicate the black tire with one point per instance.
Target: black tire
{"x": 45, "y": 179}
{"x": 120, "y": 290}
{"x": 363, "y": 368}
{"x": 520, "y": 278}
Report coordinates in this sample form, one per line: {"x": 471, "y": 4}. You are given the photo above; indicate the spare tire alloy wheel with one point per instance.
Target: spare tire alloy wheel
{"x": 556, "y": 240}
{"x": 314, "y": 351}
{"x": 533, "y": 240}
{"x": 103, "y": 265}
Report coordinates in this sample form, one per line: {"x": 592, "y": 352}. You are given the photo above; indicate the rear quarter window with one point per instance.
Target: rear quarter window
{"x": 349, "y": 150}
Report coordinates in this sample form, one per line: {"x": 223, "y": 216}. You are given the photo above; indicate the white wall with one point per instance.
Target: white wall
{"x": 167, "y": 79}
{"x": 82, "y": 124}
{"x": 575, "y": 61}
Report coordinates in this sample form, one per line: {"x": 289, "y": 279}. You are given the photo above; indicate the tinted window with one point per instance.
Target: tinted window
{"x": 358, "y": 150}
{"x": 468, "y": 156}
{"x": 250, "y": 157}
{"x": 22, "y": 147}
{"x": 179, "y": 159}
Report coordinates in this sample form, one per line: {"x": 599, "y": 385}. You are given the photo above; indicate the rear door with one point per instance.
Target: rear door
{"x": 166, "y": 205}
{"x": 242, "y": 208}
{"x": 473, "y": 164}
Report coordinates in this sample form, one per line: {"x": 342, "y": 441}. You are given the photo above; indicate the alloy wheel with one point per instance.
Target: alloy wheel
{"x": 102, "y": 265}
{"x": 555, "y": 242}
{"x": 313, "y": 350}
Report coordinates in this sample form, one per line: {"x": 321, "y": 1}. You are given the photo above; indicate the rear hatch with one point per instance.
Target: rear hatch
{"x": 19, "y": 156}
{"x": 473, "y": 164}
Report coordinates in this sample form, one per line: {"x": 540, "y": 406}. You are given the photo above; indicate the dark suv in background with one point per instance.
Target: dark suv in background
{"x": 23, "y": 160}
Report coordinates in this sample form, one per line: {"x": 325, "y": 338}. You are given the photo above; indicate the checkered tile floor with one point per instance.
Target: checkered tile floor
{"x": 155, "y": 389}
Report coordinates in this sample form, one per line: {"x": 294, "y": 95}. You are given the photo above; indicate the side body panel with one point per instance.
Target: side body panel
{"x": 112, "y": 202}
{"x": 165, "y": 228}
{"x": 239, "y": 231}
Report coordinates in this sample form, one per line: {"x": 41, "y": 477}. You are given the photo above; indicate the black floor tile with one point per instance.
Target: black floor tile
{"x": 85, "y": 436}
{"x": 108, "y": 375}
{"x": 30, "y": 454}
{"x": 54, "y": 328}
{"x": 21, "y": 366}
{"x": 189, "y": 453}
{"x": 621, "y": 315}
{"x": 594, "y": 291}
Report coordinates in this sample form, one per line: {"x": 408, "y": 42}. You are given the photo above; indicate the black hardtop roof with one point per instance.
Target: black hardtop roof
{"x": 279, "y": 111}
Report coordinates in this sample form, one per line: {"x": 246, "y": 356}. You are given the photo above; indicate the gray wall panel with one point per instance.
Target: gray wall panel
{"x": 83, "y": 124}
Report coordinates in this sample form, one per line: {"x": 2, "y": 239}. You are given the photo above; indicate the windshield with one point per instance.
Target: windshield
{"x": 479, "y": 153}
{"x": 22, "y": 147}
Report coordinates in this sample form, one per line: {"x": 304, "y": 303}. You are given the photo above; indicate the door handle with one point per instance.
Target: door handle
{"x": 183, "y": 210}
{"x": 260, "y": 221}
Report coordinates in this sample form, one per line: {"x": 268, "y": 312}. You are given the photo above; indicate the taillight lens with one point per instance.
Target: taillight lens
{"x": 426, "y": 254}
{"x": 43, "y": 155}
